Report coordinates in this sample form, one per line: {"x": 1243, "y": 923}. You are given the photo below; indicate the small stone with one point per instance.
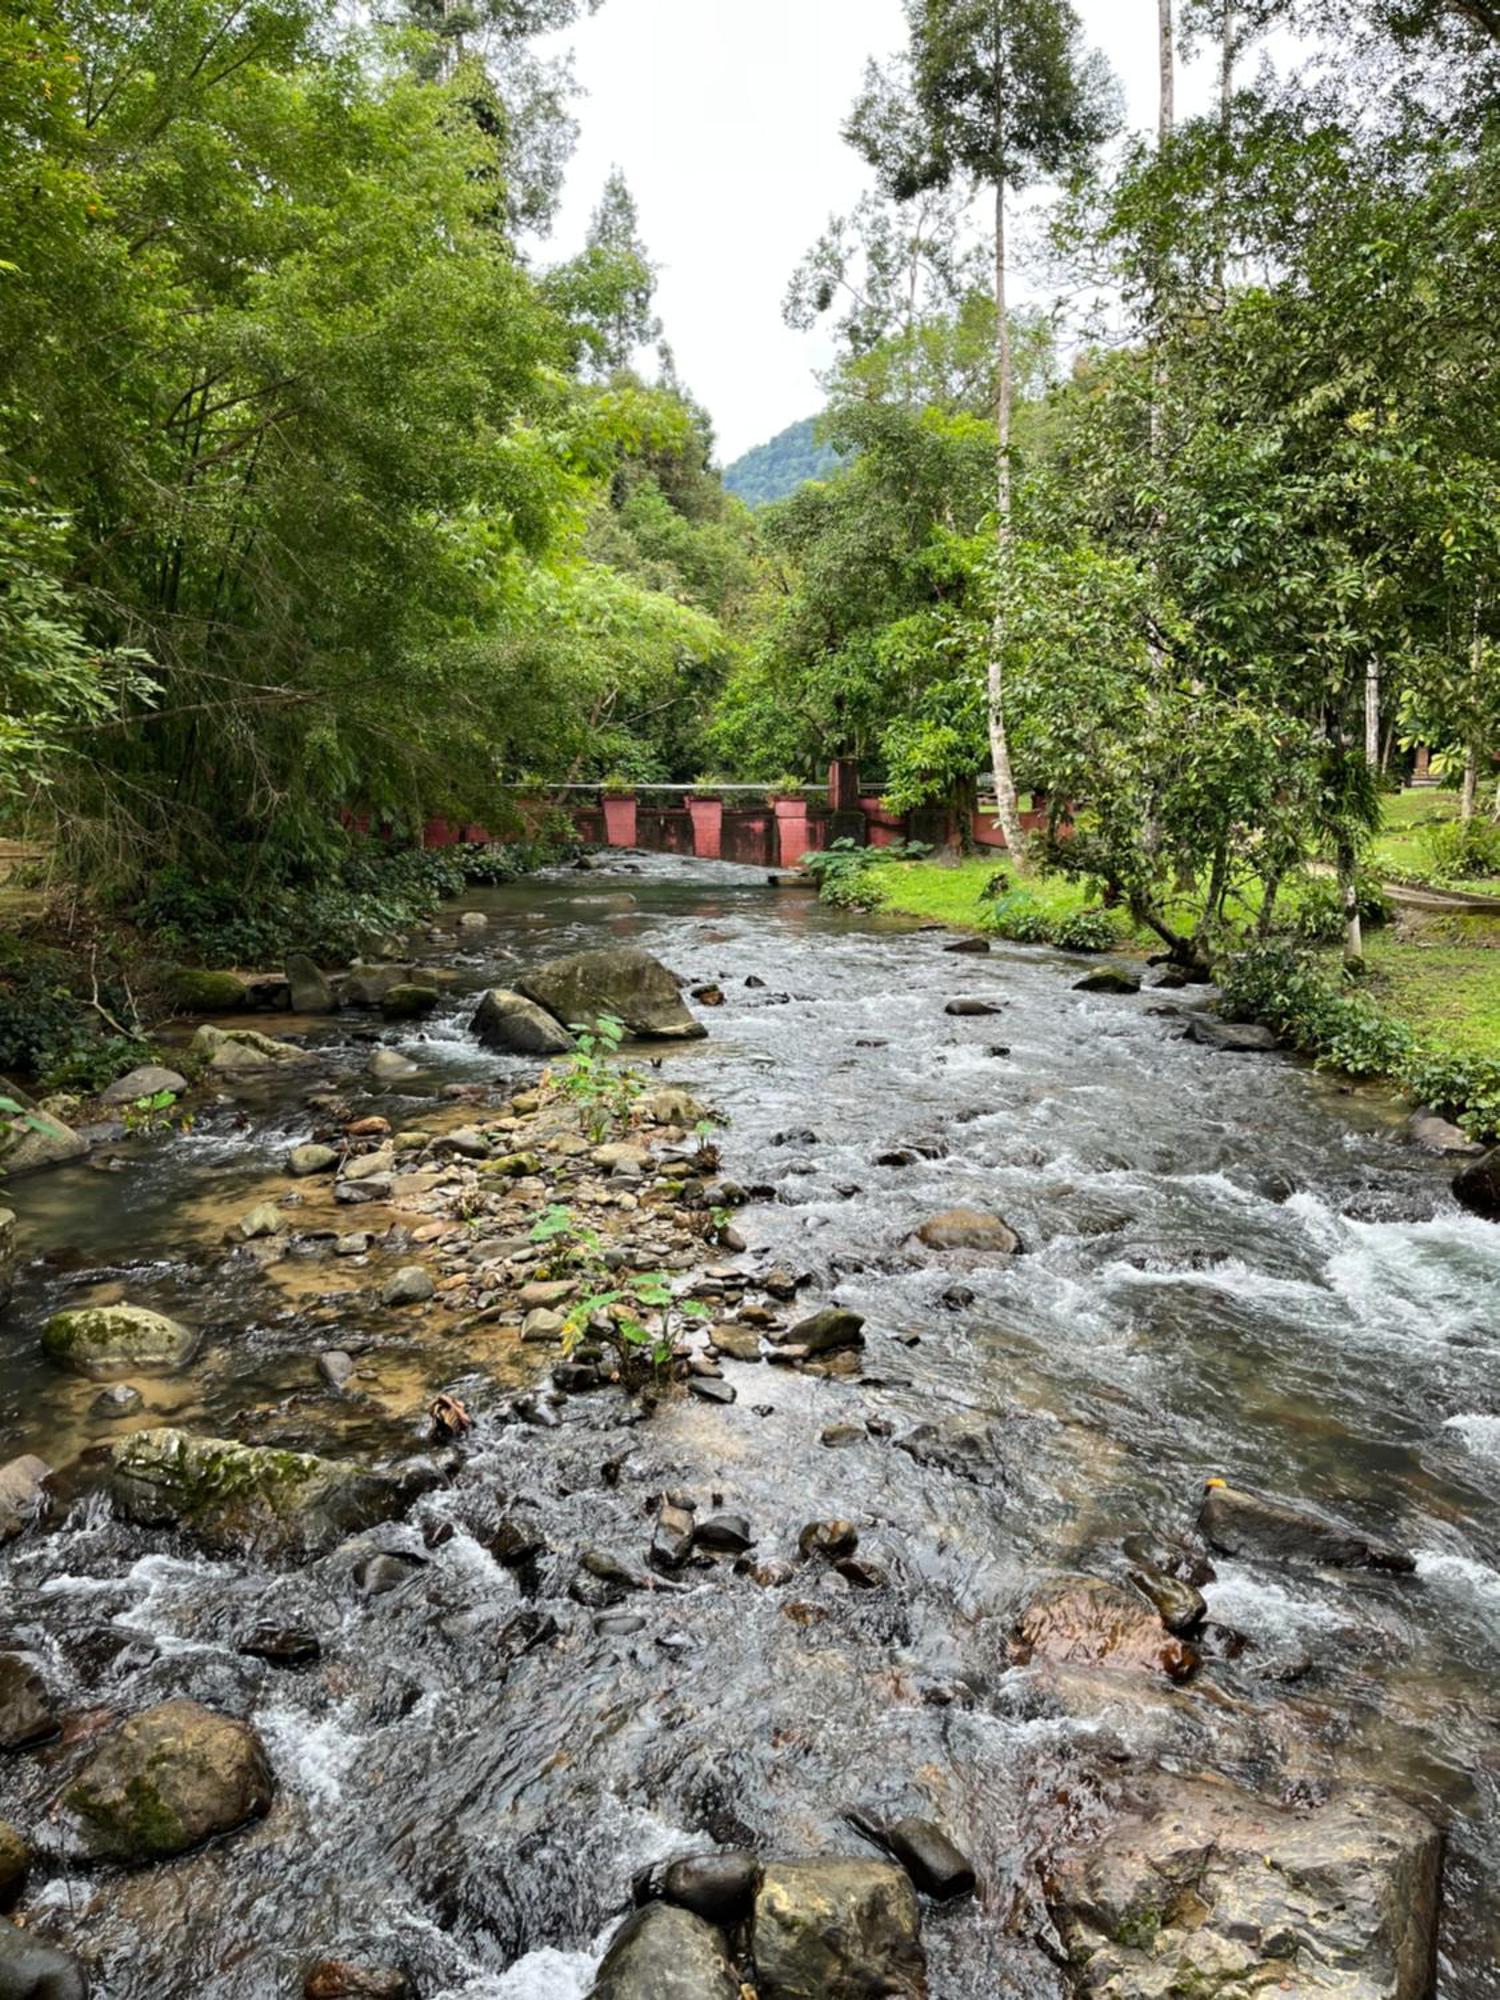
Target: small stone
{"x": 968, "y": 1009}
{"x": 548, "y": 1293}
{"x": 717, "y": 1887}
{"x": 619, "y": 1624}
{"x": 861, "y": 1574}
{"x": 542, "y": 1325}
{"x": 828, "y": 1538}
{"x": 390, "y": 1066}
{"x": 120, "y": 1399}
{"x": 709, "y": 1391}
{"x": 26, "y": 1712}
{"x": 740, "y": 1343}
{"x": 302, "y": 1161}
{"x": 339, "y": 1979}
{"x": 837, "y": 1436}
{"x": 336, "y": 1367}
{"x": 938, "y": 1868}
{"x": 1231, "y": 1037}
{"x": 282, "y": 1645}
{"x": 827, "y": 1331}
{"x": 473, "y": 920}
{"x": 672, "y": 1543}
{"x": 411, "y": 1286}
{"x": 355, "y": 1244}
{"x": 392, "y": 1569}
{"x": 724, "y": 1534}
{"x": 265, "y": 1219}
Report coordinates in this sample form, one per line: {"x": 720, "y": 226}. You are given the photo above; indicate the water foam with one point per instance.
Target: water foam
{"x": 310, "y": 1757}
{"x": 1481, "y": 1434}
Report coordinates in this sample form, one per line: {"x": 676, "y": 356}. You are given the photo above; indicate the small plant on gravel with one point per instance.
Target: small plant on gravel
{"x": 604, "y": 1089}
{"x": 645, "y": 1351}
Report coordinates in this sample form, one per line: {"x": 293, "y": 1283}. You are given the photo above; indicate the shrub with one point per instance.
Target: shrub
{"x": 1087, "y": 930}
{"x": 847, "y": 875}
{"x": 1461, "y": 849}
{"x": 1315, "y": 914}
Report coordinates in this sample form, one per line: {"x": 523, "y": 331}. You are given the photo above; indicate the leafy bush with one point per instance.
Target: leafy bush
{"x": 1315, "y": 916}
{"x": 1087, "y": 930}
{"x": 1016, "y": 914}
{"x": 1276, "y": 983}
{"x": 847, "y": 875}
{"x": 47, "y": 1033}
{"x": 1462, "y": 849}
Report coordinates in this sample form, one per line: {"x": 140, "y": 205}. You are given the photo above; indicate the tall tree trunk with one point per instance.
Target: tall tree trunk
{"x": 1372, "y": 714}
{"x": 1226, "y": 101}
{"x": 1470, "y": 790}
{"x": 1007, "y": 810}
{"x": 1168, "y": 112}
{"x": 1354, "y": 943}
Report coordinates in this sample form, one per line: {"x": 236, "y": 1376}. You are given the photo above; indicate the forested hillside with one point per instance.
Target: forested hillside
{"x": 773, "y": 470}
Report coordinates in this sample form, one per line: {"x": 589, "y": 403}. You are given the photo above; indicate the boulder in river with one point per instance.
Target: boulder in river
{"x": 410, "y": 1286}
{"x": 970, "y": 1229}
{"x": 312, "y": 1158}
{"x": 106, "y": 1342}
{"x": 1200, "y": 1888}
{"x": 630, "y": 985}
{"x": 342, "y": 1979}
{"x": 200, "y": 992}
{"x": 407, "y": 1002}
{"x": 939, "y": 1868}
{"x": 837, "y": 1930}
{"x": 1238, "y": 1522}
{"x": 311, "y": 989}
{"x": 1432, "y": 1133}
{"x": 971, "y": 1009}
{"x": 720, "y": 1888}
{"x": 825, "y": 1332}
{"x": 390, "y": 1066}
{"x": 1084, "y": 1621}
{"x": 1477, "y": 1185}
{"x": 1237, "y": 1038}
{"x": 232, "y": 1495}
{"x": 27, "y": 1715}
{"x": 31, "y": 1969}
{"x": 664, "y": 1952}
{"x": 244, "y": 1051}
{"x": 147, "y": 1080}
{"x": 20, "y": 1493}
{"x": 37, "y": 1140}
{"x": 1110, "y": 979}
{"x": 164, "y": 1781}
{"x": 510, "y": 1022}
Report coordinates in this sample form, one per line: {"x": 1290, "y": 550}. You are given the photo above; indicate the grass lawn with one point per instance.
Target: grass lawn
{"x": 954, "y": 894}
{"x": 1401, "y": 852}
{"x": 1442, "y": 978}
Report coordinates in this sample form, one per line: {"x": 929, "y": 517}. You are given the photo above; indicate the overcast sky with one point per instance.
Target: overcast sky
{"x": 725, "y": 116}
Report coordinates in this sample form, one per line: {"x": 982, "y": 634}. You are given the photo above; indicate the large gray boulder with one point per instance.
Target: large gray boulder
{"x": 243, "y": 1051}
{"x": 108, "y": 1342}
{"x": 37, "y": 1140}
{"x": 20, "y": 1493}
{"x": 163, "y": 1782}
{"x": 147, "y": 1080}
{"x": 1238, "y": 1522}
{"x": 666, "y": 1953}
{"x": 311, "y": 989}
{"x": 511, "y": 1022}
{"x": 1203, "y": 1889}
{"x": 631, "y": 985}
{"x": 1478, "y": 1185}
{"x": 280, "y": 1503}
{"x": 837, "y": 1930}
{"x": 32, "y": 1970}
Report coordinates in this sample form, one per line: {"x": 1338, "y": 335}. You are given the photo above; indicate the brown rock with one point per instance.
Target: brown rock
{"x": 1084, "y": 1621}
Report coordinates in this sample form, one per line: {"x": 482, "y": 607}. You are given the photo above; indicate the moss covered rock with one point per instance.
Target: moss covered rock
{"x": 239, "y": 1495}
{"x": 837, "y": 1930}
{"x": 195, "y": 992}
{"x": 618, "y": 981}
{"x": 106, "y": 1342}
{"x": 406, "y": 1002}
{"x": 164, "y": 1781}
{"x": 236, "y": 1050}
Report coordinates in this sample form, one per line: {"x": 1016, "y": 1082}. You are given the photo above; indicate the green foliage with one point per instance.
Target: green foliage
{"x": 849, "y": 876}
{"x": 1462, "y": 850}
{"x": 592, "y": 1077}
{"x": 1316, "y": 915}
{"x": 776, "y": 469}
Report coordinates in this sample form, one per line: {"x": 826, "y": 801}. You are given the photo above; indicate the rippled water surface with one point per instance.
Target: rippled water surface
{"x": 1232, "y": 1269}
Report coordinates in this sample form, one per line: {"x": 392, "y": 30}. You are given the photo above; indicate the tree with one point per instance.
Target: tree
{"x": 1002, "y": 94}
{"x": 605, "y": 292}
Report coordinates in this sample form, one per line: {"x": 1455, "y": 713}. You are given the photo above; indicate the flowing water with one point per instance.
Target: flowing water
{"x": 1233, "y": 1268}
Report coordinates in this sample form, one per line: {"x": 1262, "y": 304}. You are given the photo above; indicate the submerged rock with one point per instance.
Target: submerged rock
{"x": 1241, "y": 1523}
{"x": 630, "y": 985}
{"x": 104, "y": 1342}
{"x": 1201, "y": 1888}
{"x": 120, "y": 1399}
{"x": 390, "y": 1066}
{"x": 164, "y": 1781}
{"x": 511, "y": 1022}
{"x": 1084, "y": 1621}
{"x": 1477, "y": 1186}
{"x": 33, "y": 1970}
{"x": 340, "y": 1979}
{"x": 1179, "y": 1604}
{"x": 666, "y": 1953}
{"x": 970, "y": 1229}
{"x": 279, "y": 1502}
{"x": 837, "y": 1930}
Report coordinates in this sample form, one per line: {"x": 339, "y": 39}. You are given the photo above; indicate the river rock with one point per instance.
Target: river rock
{"x": 26, "y": 1712}
{"x": 1434, "y": 1134}
{"x": 620, "y": 1157}
{"x": 938, "y": 1867}
{"x": 20, "y": 1493}
{"x": 1477, "y": 1186}
{"x": 969, "y": 1009}
{"x": 120, "y": 1399}
{"x": 105, "y": 1342}
{"x": 542, "y": 1326}
{"x": 1200, "y": 1888}
{"x": 837, "y": 1930}
{"x": 7, "y": 1255}
{"x": 38, "y": 1140}
{"x": 15, "y": 1864}
{"x": 717, "y": 1887}
{"x": 825, "y": 1332}
{"x": 1238, "y": 1522}
{"x": 509, "y": 1021}
{"x": 236, "y": 1495}
{"x": 1084, "y": 1621}
{"x": 1231, "y": 1037}
{"x": 670, "y": 1106}
{"x": 411, "y": 1286}
{"x": 1110, "y": 979}
{"x": 311, "y": 990}
{"x": 243, "y": 1051}
{"x": 390, "y": 1066}
{"x": 33, "y": 1970}
{"x": 630, "y": 985}
{"x": 725, "y": 1534}
{"x": 834, "y": 1539}
{"x": 666, "y": 1953}
{"x": 1179, "y": 1604}
{"x": 303, "y": 1161}
{"x": 265, "y": 1219}
{"x": 164, "y": 1781}
{"x": 970, "y": 1229}
{"x": 205, "y": 992}
{"x": 149, "y": 1080}
{"x": 407, "y": 1002}
{"x": 968, "y": 947}
{"x": 336, "y": 1367}
{"x": 340, "y": 1979}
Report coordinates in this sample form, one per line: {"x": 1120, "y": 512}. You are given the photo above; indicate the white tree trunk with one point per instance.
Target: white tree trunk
{"x": 1007, "y": 810}
{"x": 1372, "y": 715}
{"x": 1168, "y": 112}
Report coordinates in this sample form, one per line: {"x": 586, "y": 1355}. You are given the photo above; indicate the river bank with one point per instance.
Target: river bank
{"x": 1230, "y": 1271}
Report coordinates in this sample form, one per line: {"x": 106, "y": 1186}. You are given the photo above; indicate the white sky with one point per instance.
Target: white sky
{"x": 725, "y": 116}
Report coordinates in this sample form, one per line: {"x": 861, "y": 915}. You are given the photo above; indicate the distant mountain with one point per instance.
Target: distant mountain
{"x": 773, "y": 470}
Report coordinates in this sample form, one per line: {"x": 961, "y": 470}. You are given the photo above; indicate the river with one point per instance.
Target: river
{"x": 1233, "y": 1268}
